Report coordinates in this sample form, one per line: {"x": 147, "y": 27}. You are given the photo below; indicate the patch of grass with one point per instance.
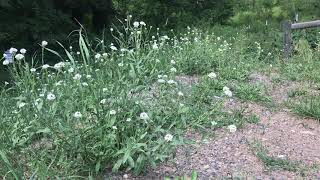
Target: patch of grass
{"x": 194, "y": 176}
{"x": 274, "y": 163}
{"x": 254, "y": 93}
{"x": 297, "y": 92}
{"x": 308, "y": 107}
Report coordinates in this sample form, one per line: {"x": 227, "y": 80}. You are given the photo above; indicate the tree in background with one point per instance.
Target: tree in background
{"x": 173, "y": 13}
{"x": 266, "y": 12}
{"x": 25, "y": 22}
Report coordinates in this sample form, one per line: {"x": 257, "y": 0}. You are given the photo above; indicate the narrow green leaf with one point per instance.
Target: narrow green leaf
{"x": 45, "y": 131}
{"x": 53, "y": 52}
{"x": 131, "y": 161}
{"x": 194, "y": 175}
{"x": 98, "y": 166}
{"x": 117, "y": 166}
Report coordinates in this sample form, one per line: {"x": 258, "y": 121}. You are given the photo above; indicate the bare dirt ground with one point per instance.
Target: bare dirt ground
{"x": 283, "y": 136}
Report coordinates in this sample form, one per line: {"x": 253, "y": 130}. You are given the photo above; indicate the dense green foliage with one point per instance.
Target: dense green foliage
{"x": 26, "y": 22}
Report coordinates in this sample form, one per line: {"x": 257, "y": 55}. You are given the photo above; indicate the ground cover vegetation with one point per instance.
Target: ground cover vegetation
{"x": 123, "y": 100}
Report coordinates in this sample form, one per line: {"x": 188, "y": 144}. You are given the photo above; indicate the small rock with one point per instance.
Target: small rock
{"x": 205, "y": 167}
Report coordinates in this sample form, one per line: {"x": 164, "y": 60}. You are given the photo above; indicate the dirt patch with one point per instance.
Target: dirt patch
{"x": 289, "y": 137}
{"x": 257, "y": 78}
{"x": 281, "y": 91}
{"x": 186, "y": 80}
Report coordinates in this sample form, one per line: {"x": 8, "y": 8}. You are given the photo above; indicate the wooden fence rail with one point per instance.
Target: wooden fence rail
{"x": 288, "y": 27}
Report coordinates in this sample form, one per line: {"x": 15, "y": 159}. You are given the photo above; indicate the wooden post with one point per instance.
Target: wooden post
{"x": 286, "y": 26}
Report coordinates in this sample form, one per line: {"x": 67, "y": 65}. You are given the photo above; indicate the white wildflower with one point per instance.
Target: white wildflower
{"x": 114, "y": 127}
{"x": 155, "y": 46}
{"x": 33, "y": 70}
{"x": 45, "y": 66}
{"x": 6, "y": 62}
{"x": 23, "y": 51}
{"x": 71, "y": 70}
{"x": 59, "y": 65}
{"x": 214, "y": 123}
{"x": 13, "y": 50}
{"x": 225, "y": 88}
{"x": 232, "y": 128}
{"x": 172, "y": 82}
{"x": 97, "y": 56}
{"x": 104, "y": 89}
{"x": 173, "y": 62}
{"x": 77, "y": 115}
{"x": 228, "y": 93}
{"x": 142, "y": 23}
{"x": 161, "y": 81}
{"x": 128, "y": 119}
{"x": 77, "y": 77}
{"x": 173, "y": 69}
{"x": 44, "y": 43}
{"x": 105, "y": 55}
{"x": 19, "y": 56}
{"x": 120, "y": 64}
{"x": 113, "y": 48}
{"x": 78, "y": 53}
{"x": 168, "y": 137}
{"x": 144, "y": 116}
{"x": 51, "y": 97}
{"x": 136, "y": 24}
{"x": 103, "y": 101}
{"x": 113, "y": 112}
{"x": 212, "y": 75}
{"x": 180, "y": 93}
{"x": 85, "y": 84}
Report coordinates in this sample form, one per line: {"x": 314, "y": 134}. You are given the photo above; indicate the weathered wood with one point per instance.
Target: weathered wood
{"x": 304, "y": 25}
{"x": 286, "y": 26}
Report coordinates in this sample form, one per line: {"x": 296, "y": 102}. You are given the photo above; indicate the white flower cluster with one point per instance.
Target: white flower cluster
{"x": 232, "y": 128}
{"x": 168, "y": 137}
{"x": 227, "y": 91}
{"x": 212, "y": 75}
